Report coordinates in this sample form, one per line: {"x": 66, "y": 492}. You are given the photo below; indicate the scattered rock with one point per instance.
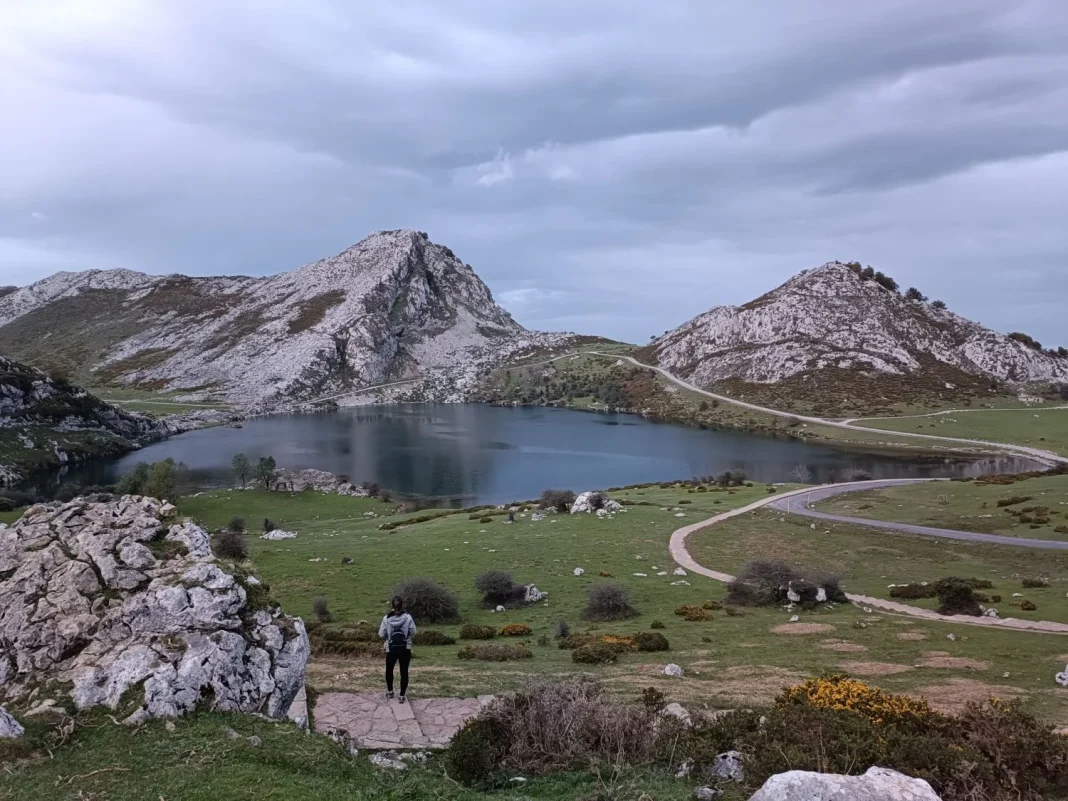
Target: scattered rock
{"x": 640, "y": 575}
{"x": 388, "y": 760}
{"x": 254, "y": 741}
{"x": 679, "y": 571}
{"x": 728, "y": 765}
{"x": 346, "y": 560}
{"x": 583, "y": 503}
{"x": 991, "y": 612}
{"x": 878, "y": 784}
{"x": 230, "y": 733}
{"x": 578, "y": 571}
{"x": 674, "y": 670}
{"x": 1062, "y": 678}
{"x": 316, "y": 480}
{"x": 499, "y": 608}
{"x": 278, "y": 534}
{"x": 707, "y": 793}
{"x": 680, "y": 584}
{"x": 795, "y": 618}
{"x": 678, "y": 711}
{"x": 532, "y": 595}
{"x": 951, "y": 636}
{"x": 9, "y": 727}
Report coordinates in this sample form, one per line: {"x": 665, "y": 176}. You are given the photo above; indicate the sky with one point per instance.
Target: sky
{"x": 610, "y": 167}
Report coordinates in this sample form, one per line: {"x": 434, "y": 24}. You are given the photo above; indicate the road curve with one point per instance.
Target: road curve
{"x": 1047, "y": 457}
{"x": 682, "y": 557}
{"x": 802, "y": 505}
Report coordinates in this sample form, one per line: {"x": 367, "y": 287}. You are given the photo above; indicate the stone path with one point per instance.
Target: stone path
{"x": 682, "y": 556}
{"x": 372, "y": 721}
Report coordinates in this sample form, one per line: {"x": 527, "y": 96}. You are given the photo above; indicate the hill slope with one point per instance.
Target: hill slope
{"x": 394, "y": 306}
{"x": 830, "y": 341}
{"x": 46, "y": 422}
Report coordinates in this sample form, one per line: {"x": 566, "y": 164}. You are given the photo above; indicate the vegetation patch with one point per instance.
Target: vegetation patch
{"x": 495, "y": 653}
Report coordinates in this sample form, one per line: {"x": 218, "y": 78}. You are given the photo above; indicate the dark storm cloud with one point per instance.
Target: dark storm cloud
{"x": 611, "y": 167}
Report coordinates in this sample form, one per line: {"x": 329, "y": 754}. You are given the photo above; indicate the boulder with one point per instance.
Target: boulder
{"x": 707, "y": 793}
{"x": 9, "y": 727}
{"x": 584, "y": 503}
{"x": 679, "y": 571}
{"x": 878, "y": 784}
{"x": 88, "y": 602}
{"x": 676, "y": 710}
{"x": 578, "y": 571}
{"x": 674, "y": 670}
{"x": 315, "y": 480}
{"x": 728, "y": 765}
{"x": 532, "y": 594}
{"x": 278, "y": 534}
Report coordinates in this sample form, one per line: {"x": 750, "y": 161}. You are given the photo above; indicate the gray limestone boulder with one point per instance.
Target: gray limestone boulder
{"x": 878, "y": 784}
{"x": 9, "y": 727}
{"x": 127, "y": 608}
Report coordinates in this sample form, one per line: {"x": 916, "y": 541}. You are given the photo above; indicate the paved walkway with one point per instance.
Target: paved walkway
{"x": 682, "y": 556}
{"x": 372, "y": 721}
{"x": 803, "y": 506}
{"x": 1048, "y": 457}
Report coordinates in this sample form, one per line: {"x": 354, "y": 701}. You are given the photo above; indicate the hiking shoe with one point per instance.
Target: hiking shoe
{"x": 402, "y": 699}
{"x": 389, "y": 694}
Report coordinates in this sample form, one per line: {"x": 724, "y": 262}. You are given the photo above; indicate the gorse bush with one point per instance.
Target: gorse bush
{"x": 515, "y": 630}
{"x": 428, "y": 601}
{"x": 431, "y": 638}
{"x": 231, "y": 545}
{"x": 471, "y": 631}
{"x": 607, "y": 602}
{"x": 1034, "y": 583}
{"x": 597, "y": 653}
{"x": 495, "y": 653}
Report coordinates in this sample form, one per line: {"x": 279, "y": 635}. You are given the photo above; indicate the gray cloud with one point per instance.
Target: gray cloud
{"x": 613, "y": 167}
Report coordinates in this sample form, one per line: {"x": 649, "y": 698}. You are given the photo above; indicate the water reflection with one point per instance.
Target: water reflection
{"x": 482, "y": 454}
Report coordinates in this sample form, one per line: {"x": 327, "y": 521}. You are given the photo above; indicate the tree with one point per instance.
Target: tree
{"x": 886, "y": 282}
{"x": 1062, "y": 352}
{"x": 242, "y": 467}
{"x": 802, "y": 474}
{"x": 914, "y": 294}
{"x": 341, "y": 351}
{"x": 1024, "y": 339}
{"x": 266, "y": 469}
{"x": 938, "y": 304}
{"x": 165, "y": 480}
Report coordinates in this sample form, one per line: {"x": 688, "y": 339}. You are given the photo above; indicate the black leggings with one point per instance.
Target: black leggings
{"x": 393, "y": 656}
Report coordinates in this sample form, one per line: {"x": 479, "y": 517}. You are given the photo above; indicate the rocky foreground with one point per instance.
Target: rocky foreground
{"x": 117, "y": 603}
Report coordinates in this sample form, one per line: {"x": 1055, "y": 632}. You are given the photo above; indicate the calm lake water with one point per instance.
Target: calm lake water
{"x": 468, "y": 454}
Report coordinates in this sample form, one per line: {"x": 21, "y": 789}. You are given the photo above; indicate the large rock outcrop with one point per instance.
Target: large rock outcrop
{"x": 117, "y": 603}
{"x": 878, "y": 784}
{"x": 395, "y": 306}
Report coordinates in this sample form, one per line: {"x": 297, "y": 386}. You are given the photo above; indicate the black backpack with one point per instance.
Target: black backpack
{"x": 395, "y": 627}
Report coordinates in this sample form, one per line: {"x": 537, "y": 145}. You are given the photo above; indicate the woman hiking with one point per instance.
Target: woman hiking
{"x": 397, "y": 629}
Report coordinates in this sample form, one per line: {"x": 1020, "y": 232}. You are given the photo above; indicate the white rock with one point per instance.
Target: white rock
{"x": 583, "y": 504}
{"x": 9, "y": 727}
{"x": 706, "y": 793}
{"x": 640, "y": 575}
{"x": 794, "y": 619}
{"x": 991, "y": 612}
{"x": 680, "y": 514}
{"x": 728, "y": 766}
{"x": 677, "y": 711}
{"x": 821, "y": 595}
{"x": 679, "y": 571}
{"x": 680, "y": 584}
{"x": 877, "y": 784}
{"x": 388, "y": 760}
{"x": 578, "y": 571}
{"x": 674, "y": 670}
{"x": 951, "y": 636}
{"x": 532, "y": 595}
{"x": 662, "y": 573}
{"x": 278, "y": 534}
{"x": 499, "y": 608}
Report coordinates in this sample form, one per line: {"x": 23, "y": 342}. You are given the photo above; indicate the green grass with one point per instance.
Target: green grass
{"x": 730, "y": 661}
{"x": 199, "y": 762}
{"x": 154, "y": 403}
{"x": 79, "y": 445}
{"x": 868, "y": 561}
{"x": 962, "y": 505}
{"x": 1034, "y": 427}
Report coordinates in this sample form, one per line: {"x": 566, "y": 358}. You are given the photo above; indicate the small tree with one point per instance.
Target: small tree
{"x": 427, "y": 600}
{"x": 802, "y": 474}
{"x": 266, "y": 470}
{"x": 608, "y": 602}
{"x": 231, "y": 545}
{"x": 914, "y": 294}
{"x": 236, "y": 524}
{"x": 938, "y": 304}
{"x": 242, "y": 467}
{"x": 321, "y": 610}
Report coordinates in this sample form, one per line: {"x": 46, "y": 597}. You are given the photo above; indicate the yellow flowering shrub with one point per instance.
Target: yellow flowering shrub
{"x": 841, "y": 692}
{"x": 515, "y": 630}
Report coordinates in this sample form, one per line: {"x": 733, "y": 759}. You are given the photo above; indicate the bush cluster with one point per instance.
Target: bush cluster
{"x": 607, "y": 602}
{"x": 471, "y": 631}
{"x": 428, "y": 601}
{"x": 597, "y": 653}
{"x": 432, "y": 638}
{"x": 231, "y": 545}
{"x": 515, "y": 630}
{"x": 560, "y": 500}
{"x": 498, "y": 589}
{"x": 1034, "y": 583}
{"x": 495, "y": 653}
{"x": 765, "y": 582}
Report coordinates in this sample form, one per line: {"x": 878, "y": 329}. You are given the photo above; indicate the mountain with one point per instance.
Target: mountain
{"x": 46, "y": 422}
{"x": 832, "y": 339}
{"x": 394, "y": 306}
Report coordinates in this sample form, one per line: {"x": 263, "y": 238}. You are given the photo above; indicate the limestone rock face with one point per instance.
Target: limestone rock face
{"x": 118, "y": 601}
{"x": 9, "y": 727}
{"x": 878, "y": 784}
{"x": 830, "y": 317}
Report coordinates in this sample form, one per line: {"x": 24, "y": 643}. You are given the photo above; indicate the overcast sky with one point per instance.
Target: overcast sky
{"x": 607, "y": 166}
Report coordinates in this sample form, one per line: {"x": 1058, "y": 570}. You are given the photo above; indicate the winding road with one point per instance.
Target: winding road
{"x": 1047, "y": 457}
{"x": 784, "y": 502}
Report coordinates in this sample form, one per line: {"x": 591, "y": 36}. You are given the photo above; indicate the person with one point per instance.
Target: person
{"x": 397, "y": 630}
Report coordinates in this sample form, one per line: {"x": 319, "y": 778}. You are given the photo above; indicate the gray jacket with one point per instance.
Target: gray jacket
{"x": 390, "y": 624}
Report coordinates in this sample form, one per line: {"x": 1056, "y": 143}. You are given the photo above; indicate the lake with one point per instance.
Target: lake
{"x": 473, "y": 454}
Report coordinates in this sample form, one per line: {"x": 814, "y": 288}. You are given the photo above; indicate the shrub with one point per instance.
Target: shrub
{"x": 995, "y": 599}
{"x": 956, "y": 597}
{"x": 431, "y": 638}
{"x": 913, "y": 592}
{"x": 236, "y": 524}
{"x": 320, "y": 610}
{"x": 1028, "y": 606}
{"x": 1034, "y": 583}
{"x": 712, "y": 605}
{"x": 560, "y": 500}
{"x": 515, "y": 630}
{"x": 470, "y": 631}
{"x": 838, "y": 691}
{"x": 495, "y": 653}
{"x": 594, "y": 654}
{"x": 428, "y": 601}
{"x": 761, "y": 583}
{"x": 231, "y": 545}
{"x": 372, "y": 488}
{"x": 543, "y": 641}
{"x": 608, "y": 602}
{"x": 498, "y": 589}
{"x": 651, "y": 642}
{"x": 657, "y": 624}
{"x": 485, "y": 520}
{"x": 550, "y": 726}
{"x": 1015, "y": 499}
{"x": 561, "y": 629}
